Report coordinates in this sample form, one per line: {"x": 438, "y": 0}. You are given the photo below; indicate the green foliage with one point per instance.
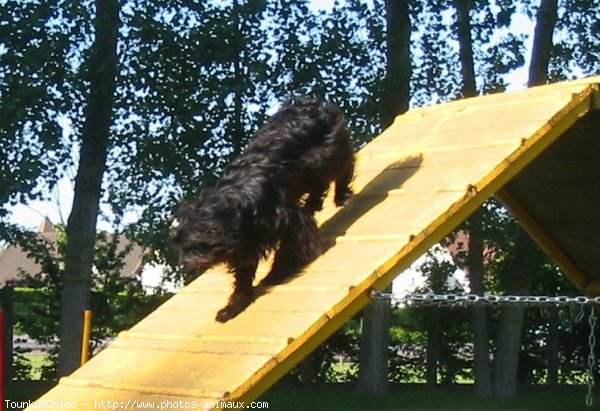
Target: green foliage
{"x": 336, "y": 360}
{"x": 21, "y": 366}
{"x": 407, "y": 346}
{"x": 196, "y": 81}
{"x": 117, "y": 303}
{"x": 39, "y": 43}
{"x": 576, "y": 38}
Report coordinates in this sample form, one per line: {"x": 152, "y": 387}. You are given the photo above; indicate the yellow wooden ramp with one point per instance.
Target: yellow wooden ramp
{"x": 415, "y": 183}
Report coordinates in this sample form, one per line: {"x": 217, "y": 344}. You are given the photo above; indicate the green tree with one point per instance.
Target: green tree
{"x": 475, "y": 266}
{"x": 34, "y": 97}
{"x": 40, "y": 93}
{"x": 575, "y": 41}
{"x": 199, "y": 102}
{"x": 517, "y": 280}
{"x": 484, "y": 55}
{"x": 117, "y": 301}
{"x": 100, "y": 72}
{"x": 542, "y": 42}
{"x": 469, "y": 51}
{"x": 373, "y": 370}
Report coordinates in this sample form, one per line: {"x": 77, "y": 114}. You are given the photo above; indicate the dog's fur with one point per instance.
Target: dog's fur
{"x": 266, "y": 199}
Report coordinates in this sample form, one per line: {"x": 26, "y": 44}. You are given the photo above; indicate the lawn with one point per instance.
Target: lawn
{"x": 37, "y": 361}
{"x": 405, "y": 397}
{"x": 417, "y": 397}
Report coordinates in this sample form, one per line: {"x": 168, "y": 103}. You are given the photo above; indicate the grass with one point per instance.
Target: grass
{"x": 409, "y": 397}
{"x": 37, "y": 361}
{"x": 406, "y": 397}
{"x": 30, "y": 365}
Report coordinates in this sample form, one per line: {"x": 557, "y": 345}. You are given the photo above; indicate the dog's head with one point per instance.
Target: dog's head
{"x": 201, "y": 234}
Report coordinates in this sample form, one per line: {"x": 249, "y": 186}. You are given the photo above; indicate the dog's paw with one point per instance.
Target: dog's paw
{"x": 341, "y": 198}
{"x": 237, "y": 304}
{"x": 313, "y": 205}
{"x": 225, "y": 314}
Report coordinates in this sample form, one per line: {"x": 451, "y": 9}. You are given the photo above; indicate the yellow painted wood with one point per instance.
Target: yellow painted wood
{"x": 415, "y": 182}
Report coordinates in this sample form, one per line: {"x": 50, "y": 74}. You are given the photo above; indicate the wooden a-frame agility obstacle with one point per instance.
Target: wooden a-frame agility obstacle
{"x": 538, "y": 150}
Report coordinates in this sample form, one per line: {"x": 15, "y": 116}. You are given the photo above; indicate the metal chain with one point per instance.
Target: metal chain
{"x": 474, "y": 299}
{"x": 462, "y": 300}
{"x": 589, "y": 399}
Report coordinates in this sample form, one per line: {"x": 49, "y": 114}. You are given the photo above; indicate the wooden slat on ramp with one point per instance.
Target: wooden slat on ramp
{"x": 415, "y": 183}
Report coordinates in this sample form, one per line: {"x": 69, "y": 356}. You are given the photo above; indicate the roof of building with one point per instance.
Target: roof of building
{"x": 14, "y": 260}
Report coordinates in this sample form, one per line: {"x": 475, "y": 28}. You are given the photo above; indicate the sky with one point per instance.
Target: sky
{"x": 58, "y": 207}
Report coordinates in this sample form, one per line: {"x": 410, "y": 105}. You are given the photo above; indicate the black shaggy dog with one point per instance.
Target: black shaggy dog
{"x": 266, "y": 199}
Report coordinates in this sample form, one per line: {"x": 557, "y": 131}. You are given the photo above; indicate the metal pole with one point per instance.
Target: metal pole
{"x": 85, "y": 340}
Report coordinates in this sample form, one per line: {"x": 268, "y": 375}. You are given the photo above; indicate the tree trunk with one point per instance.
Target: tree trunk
{"x": 538, "y": 75}
{"x": 396, "y": 88}
{"x": 374, "y": 341}
{"x": 542, "y": 42}
{"x": 237, "y": 129}
{"x": 307, "y": 370}
{"x": 511, "y": 317}
{"x": 467, "y": 67}
{"x": 553, "y": 348}
{"x": 506, "y": 362}
{"x": 481, "y": 339}
{"x": 81, "y": 226}
{"x": 433, "y": 345}
{"x": 507, "y": 354}
{"x": 475, "y": 268}
{"x": 373, "y": 368}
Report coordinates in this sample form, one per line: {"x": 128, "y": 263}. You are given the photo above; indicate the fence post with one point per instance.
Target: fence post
{"x": 2, "y": 329}
{"x": 85, "y": 340}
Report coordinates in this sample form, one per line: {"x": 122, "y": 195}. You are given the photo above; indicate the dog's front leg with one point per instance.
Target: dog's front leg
{"x": 316, "y": 194}
{"x": 242, "y": 293}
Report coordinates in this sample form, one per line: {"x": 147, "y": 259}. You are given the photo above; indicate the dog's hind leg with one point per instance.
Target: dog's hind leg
{"x": 299, "y": 246}
{"x": 342, "y": 183}
{"x": 242, "y": 295}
